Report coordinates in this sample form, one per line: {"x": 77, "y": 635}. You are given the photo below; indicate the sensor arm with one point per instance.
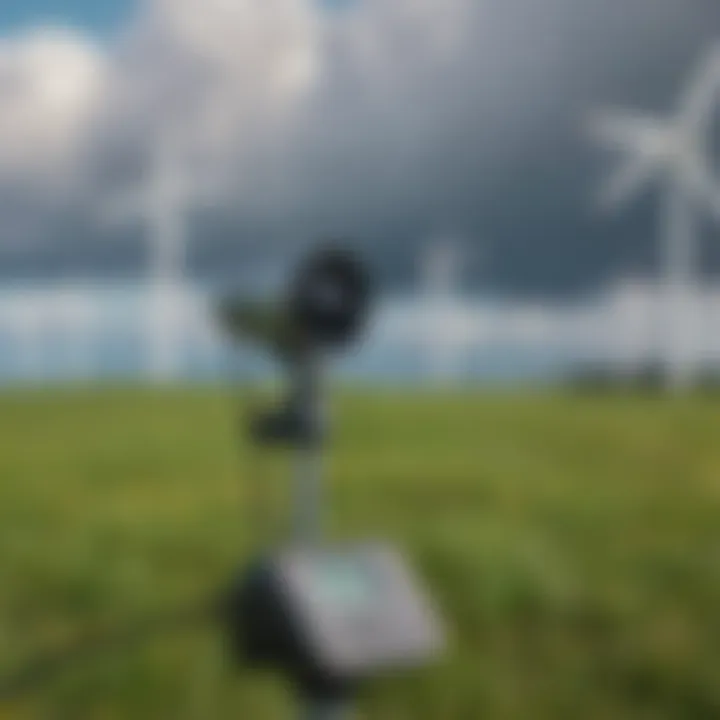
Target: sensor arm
{"x": 270, "y": 325}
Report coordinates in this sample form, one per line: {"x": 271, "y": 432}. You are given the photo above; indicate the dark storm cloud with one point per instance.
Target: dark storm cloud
{"x": 461, "y": 117}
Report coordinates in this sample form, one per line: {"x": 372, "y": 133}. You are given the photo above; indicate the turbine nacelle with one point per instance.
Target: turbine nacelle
{"x": 654, "y": 151}
{"x": 674, "y": 151}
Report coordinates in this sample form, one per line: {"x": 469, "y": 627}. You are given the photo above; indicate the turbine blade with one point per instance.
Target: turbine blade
{"x": 626, "y": 131}
{"x": 704, "y": 188}
{"x": 699, "y": 100}
{"x": 626, "y": 183}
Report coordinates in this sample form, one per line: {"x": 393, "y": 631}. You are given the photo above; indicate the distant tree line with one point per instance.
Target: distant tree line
{"x": 648, "y": 378}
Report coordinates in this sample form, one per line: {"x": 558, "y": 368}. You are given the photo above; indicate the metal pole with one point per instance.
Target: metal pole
{"x": 307, "y": 511}
{"x": 308, "y": 473}
{"x": 308, "y": 500}
{"x": 679, "y": 288}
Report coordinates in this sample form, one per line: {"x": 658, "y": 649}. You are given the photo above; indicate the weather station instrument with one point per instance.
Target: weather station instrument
{"x": 329, "y": 616}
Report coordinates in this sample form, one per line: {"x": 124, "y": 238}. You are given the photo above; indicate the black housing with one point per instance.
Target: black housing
{"x": 281, "y": 617}
{"x": 324, "y": 307}
{"x": 264, "y": 636}
{"x": 329, "y": 297}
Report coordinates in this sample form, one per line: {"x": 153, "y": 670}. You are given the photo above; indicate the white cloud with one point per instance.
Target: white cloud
{"x": 382, "y": 110}
{"x": 224, "y": 68}
{"x": 50, "y": 81}
{"x": 228, "y": 73}
{"x": 310, "y": 112}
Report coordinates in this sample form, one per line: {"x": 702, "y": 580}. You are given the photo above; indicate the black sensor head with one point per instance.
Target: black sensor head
{"x": 330, "y": 296}
{"x": 325, "y": 306}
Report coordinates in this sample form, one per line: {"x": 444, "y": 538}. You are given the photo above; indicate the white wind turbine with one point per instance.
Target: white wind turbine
{"x": 162, "y": 204}
{"x": 24, "y": 318}
{"x": 443, "y": 330}
{"x": 677, "y": 153}
{"x": 78, "y": 318}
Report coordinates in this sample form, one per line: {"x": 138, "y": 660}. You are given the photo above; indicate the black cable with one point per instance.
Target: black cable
{"x": 46, "y": 667}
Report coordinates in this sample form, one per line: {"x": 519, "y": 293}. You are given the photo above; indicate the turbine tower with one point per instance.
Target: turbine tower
{"x": 443, "y": 333}
{"x": 24, "y": 318}
{"x": 75, "y": 315}
{"x": 676, "y": 152}
{"x": 162, "y": 205}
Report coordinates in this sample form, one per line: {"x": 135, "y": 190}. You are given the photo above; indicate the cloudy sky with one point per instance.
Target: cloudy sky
{"x": 387, "y": 121}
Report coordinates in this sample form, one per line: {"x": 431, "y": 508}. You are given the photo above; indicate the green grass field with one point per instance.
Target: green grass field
{"x": 572, "y": 543}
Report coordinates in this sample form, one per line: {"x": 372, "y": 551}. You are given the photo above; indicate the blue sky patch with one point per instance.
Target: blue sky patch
{"x": 96, "y": 16}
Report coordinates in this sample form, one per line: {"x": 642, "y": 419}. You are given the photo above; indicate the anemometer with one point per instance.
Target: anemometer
{"x": 327, "y": 616}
